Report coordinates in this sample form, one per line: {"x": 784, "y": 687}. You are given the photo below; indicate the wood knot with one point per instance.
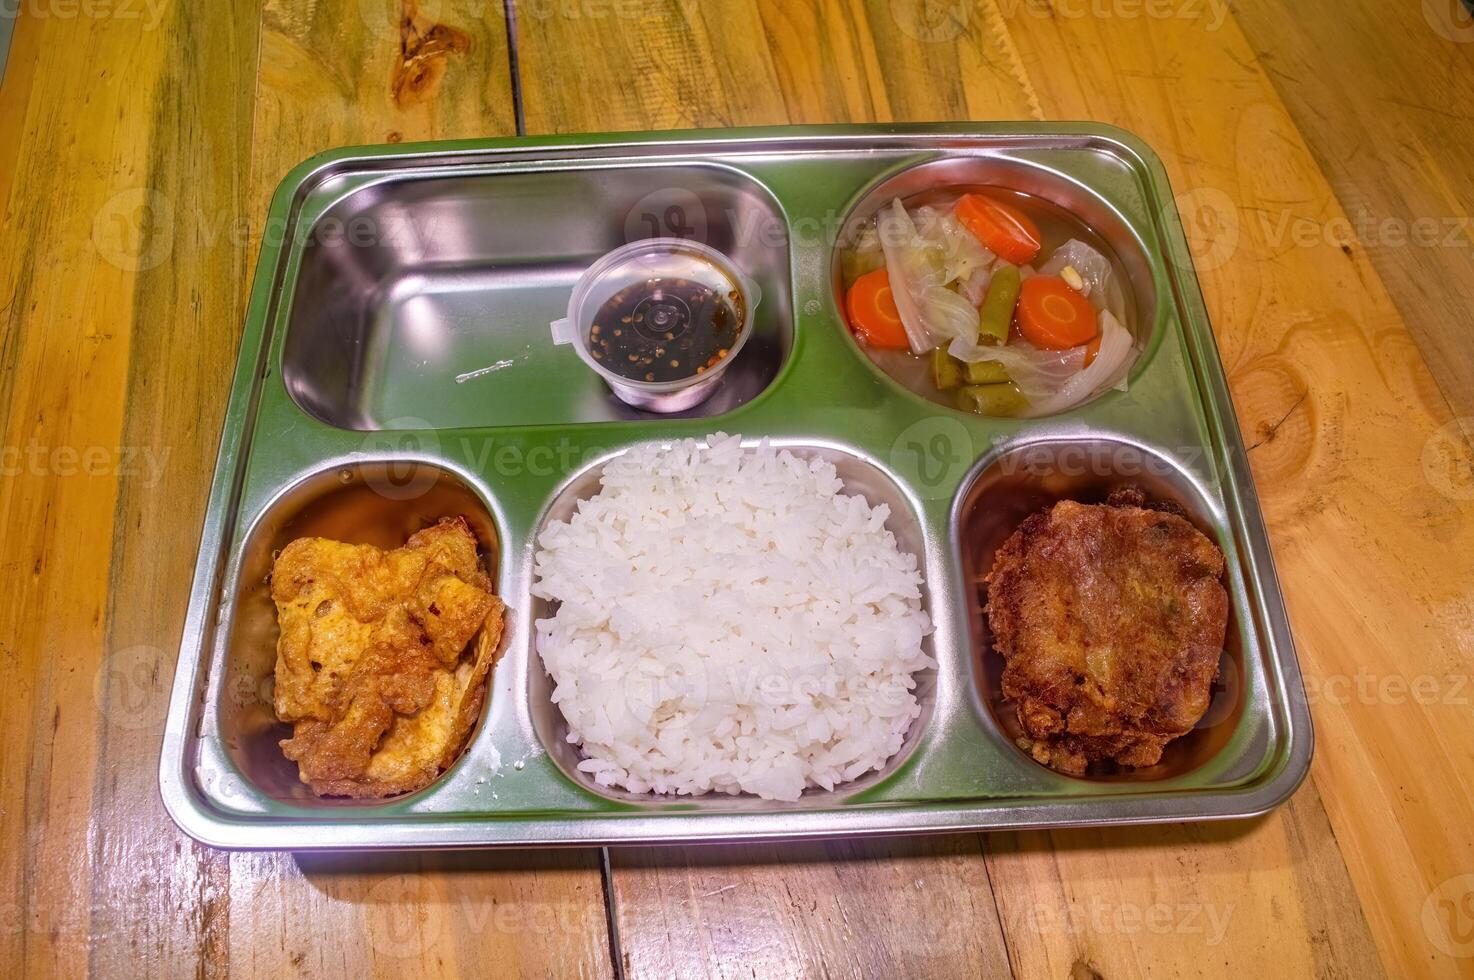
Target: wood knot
{"x": 425, "y": 48}
{"x": 1083, "y": 969}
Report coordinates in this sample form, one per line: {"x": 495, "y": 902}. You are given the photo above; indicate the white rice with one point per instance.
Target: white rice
{"x": 728, "y": 620}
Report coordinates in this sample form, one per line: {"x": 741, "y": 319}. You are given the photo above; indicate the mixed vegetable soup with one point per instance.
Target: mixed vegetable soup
{"x": 989, "y": 300}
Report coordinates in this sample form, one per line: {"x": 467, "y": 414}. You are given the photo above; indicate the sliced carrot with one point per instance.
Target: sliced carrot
{"x": 1092, "y": 350}
{"x": 1002, "y": 227}
{"x": 1052, "y": 315}
{"x": 873, "y": 314}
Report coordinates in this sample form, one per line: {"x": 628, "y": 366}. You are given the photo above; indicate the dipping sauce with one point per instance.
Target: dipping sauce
{"x": 665, "y": 329}
{"x": 660, "y": 320}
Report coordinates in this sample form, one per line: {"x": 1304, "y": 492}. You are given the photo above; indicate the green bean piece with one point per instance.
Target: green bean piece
{"x": 996, "y": 314}
{"x": 946, "y": 370}
{"x": 984, "y": 373}
{"x": 1000, "y": 399}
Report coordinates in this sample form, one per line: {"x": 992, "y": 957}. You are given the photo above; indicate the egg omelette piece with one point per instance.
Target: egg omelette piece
{"x": 375, "y": 667}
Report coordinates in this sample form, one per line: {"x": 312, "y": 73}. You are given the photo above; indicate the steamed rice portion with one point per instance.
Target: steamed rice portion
{"x": 730, "y": 620}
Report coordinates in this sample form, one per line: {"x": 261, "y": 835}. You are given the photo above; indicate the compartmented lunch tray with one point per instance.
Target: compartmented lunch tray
{"x": 396, "y": 367}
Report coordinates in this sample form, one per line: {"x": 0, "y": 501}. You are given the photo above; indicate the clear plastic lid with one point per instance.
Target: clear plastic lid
{"x": 659, "y": 316}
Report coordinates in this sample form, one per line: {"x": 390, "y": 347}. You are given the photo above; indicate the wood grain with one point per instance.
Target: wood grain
{"x": 677, "y": 63}
{"x": 113, "y": 150}
{"x": 180, "y": 331}
{"x": 344, "y": 72}
{"x": 501, "y": 914}
{"x": 1258, "y": 896}
{"x": 1391, "y": 125}
{"x": 915, "y": 907}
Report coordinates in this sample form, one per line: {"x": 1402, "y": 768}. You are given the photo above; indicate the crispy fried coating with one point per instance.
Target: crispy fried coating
{"x": 1111, "y": 618}
{"x": 370, "y": 668}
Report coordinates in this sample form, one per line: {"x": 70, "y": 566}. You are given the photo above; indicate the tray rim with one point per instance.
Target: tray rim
{"x": 200, "y": 821}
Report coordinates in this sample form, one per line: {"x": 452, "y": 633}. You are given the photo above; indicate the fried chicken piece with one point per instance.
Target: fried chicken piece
{"x": 1111, "y": 618}
{"x": 370, "y": 666}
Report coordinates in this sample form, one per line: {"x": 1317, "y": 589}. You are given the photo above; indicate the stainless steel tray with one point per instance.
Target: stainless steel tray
{"x": 386, "y": 272}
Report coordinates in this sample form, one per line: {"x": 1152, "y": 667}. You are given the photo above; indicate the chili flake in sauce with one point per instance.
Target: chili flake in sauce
{"x": 665, "y": 329}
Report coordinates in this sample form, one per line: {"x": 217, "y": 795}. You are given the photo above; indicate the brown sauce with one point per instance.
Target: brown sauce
{"x": 665, "y": 329}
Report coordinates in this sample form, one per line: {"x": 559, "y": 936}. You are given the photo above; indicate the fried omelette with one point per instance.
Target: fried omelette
{"x": 1111, "y": 618}
{"x": 371, "y": 665}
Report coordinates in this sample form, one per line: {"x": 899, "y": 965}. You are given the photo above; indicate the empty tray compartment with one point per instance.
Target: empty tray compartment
{"x": 425, "y": 302}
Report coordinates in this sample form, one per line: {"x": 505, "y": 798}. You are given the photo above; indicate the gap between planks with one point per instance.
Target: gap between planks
{"x": 514, "y": 72}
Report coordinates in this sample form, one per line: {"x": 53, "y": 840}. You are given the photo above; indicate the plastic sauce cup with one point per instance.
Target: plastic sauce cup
{"x": 655, "y": 280}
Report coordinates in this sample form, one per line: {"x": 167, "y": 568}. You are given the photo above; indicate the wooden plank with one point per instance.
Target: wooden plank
{"x": 498, "y": 914}
{"x": 189, "y": 280}
{"x": 1390, "y": 124}
{"x": 346, "y": 72}
{"x": 578, "y": 66}
{"x": 919, "y": 907}
{"x": 82, "y": 104}
{"x": 677, "y": 63}
{"x": 1183, "y": 900}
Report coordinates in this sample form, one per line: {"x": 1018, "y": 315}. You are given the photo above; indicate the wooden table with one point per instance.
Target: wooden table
{"x": 1309, "y": 144}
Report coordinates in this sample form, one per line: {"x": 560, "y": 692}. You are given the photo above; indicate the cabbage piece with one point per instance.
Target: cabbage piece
{"x": 1108, "y": 368}
{"x": 912, "y": 267}
{"x": 975, "y": 288}
{"x": 962, "y": 253}
{"x": 1101, "y": 285}
{"x": 1038, "y": 373}
{"x": 948, "y": 315}
{"x": 1056, "y": 380}
{"x": 918, "y": 268}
